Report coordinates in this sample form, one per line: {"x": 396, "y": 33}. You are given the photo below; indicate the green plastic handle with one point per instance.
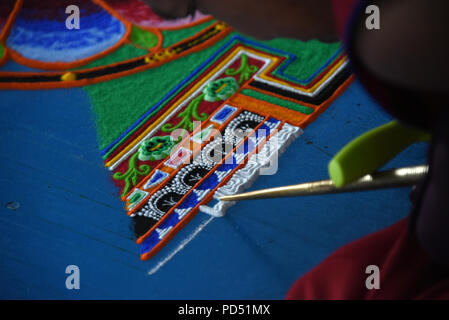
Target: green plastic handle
{"x": 371, "y": 150}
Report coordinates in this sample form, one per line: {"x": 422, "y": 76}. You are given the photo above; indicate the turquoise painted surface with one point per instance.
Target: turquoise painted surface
{"x": 70, "y": 212}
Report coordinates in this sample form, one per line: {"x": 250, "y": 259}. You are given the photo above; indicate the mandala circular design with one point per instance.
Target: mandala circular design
{"x": 163, "y": 200}
{"x": 190, "y": 175}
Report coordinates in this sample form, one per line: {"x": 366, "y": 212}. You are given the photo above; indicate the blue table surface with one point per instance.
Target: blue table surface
{"x": 70, "y": 212}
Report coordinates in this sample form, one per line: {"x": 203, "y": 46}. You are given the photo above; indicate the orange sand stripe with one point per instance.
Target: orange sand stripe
{"x": 266, "y": 108}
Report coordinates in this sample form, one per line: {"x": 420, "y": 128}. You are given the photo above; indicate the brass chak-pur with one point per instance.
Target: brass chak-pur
{"x": 394, "y": 178}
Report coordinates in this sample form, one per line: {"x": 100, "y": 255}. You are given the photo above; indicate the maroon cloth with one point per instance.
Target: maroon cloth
{"x": 406, "y": 271}
{"x": 342, "y": 11}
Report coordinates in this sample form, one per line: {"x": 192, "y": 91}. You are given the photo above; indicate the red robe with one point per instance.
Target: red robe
{"x": 406, "y": 271}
